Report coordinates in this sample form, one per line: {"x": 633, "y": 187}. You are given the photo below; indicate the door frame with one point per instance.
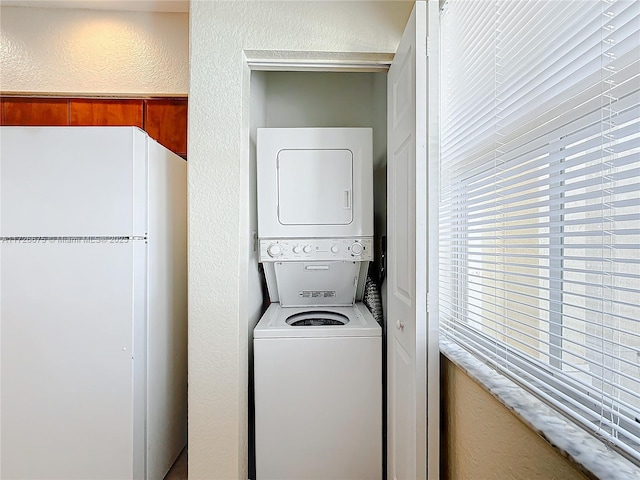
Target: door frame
{"x": 297, "y": 61}
{"x": 433, "y": 245}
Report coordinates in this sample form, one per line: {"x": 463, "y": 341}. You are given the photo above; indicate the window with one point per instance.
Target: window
{"x": 540, "y": 201}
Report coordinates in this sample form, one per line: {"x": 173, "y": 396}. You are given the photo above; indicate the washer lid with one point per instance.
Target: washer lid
{"x": 277, "y": 322}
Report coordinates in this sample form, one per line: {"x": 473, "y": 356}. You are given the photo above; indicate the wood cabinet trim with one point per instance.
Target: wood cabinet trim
{"x": 164, "y": 118}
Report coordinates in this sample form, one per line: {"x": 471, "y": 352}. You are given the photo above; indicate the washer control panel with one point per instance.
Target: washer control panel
{"x": 307, "y": 249}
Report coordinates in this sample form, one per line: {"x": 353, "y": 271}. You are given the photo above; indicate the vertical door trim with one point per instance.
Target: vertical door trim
{"x": 433, "y": 179}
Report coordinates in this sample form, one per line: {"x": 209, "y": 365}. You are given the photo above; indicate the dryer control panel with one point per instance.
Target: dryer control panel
{"x": 323, "y": 249}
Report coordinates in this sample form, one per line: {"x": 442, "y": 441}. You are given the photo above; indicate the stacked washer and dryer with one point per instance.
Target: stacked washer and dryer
{"x": 317, "y": 348}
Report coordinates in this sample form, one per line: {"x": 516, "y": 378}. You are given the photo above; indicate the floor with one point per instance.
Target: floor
{"x": 179, "y": 469}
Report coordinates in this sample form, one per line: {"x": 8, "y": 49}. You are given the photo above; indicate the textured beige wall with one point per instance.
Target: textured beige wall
{"x": 73, "y": 51}
{"x": 482, "y": 440}
{"x": 219, "y": 210}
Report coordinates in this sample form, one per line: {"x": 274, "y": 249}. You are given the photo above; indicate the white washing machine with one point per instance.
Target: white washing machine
{"x": 318, "y": 394}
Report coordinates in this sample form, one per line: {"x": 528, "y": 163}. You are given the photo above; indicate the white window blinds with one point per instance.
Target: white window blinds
{"x": 540, "y": 201}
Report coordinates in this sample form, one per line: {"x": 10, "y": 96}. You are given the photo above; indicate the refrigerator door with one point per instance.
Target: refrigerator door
{"x": 72, "y": 181}
{"x": 68, "y": 312}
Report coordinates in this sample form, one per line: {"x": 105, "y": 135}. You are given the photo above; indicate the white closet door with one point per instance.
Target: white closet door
{"x": 407, "y": 245}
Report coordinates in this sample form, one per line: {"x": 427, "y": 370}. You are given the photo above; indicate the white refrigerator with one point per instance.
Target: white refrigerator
{"x": 93, "y": 304}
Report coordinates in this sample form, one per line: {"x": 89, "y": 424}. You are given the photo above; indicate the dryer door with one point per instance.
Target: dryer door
{"x": 315, "y": 187}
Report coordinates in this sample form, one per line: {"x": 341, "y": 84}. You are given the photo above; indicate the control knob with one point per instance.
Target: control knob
{"x": 334, "y": 249}
{"x": 357, "y": 248}
{"x": 297, "y": 249}
{"x": 274, "y": 250}
{"x": 307, "y": 249}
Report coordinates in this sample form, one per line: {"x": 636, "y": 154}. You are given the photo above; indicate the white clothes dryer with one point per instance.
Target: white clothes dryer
{"x": 318, "y": 394}
{"x": 315, "y": 182}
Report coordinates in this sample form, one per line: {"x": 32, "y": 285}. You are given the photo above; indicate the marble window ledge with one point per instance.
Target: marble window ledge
{"x": 586, "y": 452}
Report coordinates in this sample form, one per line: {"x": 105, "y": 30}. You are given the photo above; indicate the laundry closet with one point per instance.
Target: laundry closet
{"x": 316, "y": 248}
{"x": 400, "y": 107}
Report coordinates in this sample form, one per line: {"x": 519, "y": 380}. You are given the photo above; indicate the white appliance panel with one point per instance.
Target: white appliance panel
{"x": 316, "y": 283}
{"x": 323, "y": 249}
{"x": 318, "y": 405}
{"x": 315, "y": 193}
{"x": 315, "y": 187}
{"x": 72, "y": 181}
{"x": 316, "y": 271}
{"x": 67, "y": 322}
{"x": 293, "y": 280}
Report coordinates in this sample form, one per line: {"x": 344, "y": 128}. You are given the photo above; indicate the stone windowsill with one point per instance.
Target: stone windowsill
{"x": 585, "y": 451}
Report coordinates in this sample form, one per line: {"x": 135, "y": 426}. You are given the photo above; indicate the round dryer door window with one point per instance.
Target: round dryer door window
{"x": 317, "y": 318}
